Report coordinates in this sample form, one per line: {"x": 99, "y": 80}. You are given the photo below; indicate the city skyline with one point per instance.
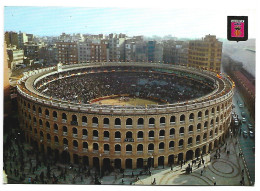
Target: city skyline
{"x": 52, "y": 21}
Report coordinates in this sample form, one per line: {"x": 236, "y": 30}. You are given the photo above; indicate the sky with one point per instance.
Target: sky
{"x": 183, "y": 23}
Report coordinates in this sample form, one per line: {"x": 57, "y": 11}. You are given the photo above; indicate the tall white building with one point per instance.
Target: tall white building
{"x": 84, "y": 51}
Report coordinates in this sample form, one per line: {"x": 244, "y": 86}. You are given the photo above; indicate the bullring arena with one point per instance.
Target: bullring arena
{"x": 166, "y": 114}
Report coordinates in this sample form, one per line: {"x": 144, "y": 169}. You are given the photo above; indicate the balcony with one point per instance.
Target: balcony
{"x": 47, "y": 116}
{"x": 34, "y": 113}
{"x": 84, "y": 136}
{"x": 95, "y": 138}
{"x": 140, "y": 139}
{"x": 190, "y": 132}
{"x": 151, "y": 125}
{"x": 205, "y": 139}
{"x": 40, "y": 126}
{"x": 106, "y": 152}
{"x": 172, "y": 123}
{"x": 206, "y": 116}
{"x": 117, "y": 152}
{"x": 129, "y": 126}
{"x": 129, "y": 152}
{"x": 182, "y": 122}
{"x": 140, "y": 126}
{"x": 162, "y": 124}
{"x": 205, "y": 128}
{"x": 29, "y": 110}
{"x": 106, "y": 125}
{"x": 172, "y": 136}
{"x": 191, "y": 120}
{"x": 40, "y": 115}
{"x": 75, "y": 135}
{"x": 161, "y": 137}
{"x": 197, "y": 142}
{"x": 211, "y": 126}
{"x": 150, "y": 151}
{"x": 181, "y": 134}
{"x": 171, "y": 148}
{"x": 94, "y": 124}
{"x": 55, "y": 131}
{"x": 64, "y": 120}
{"x": 84, "y": 124}
{"x": 95, "y": 151}
{"x": 34, "y": 123}
{"x": 189, "y": 144}
{"x": 75, "y": 123}
{"x": 198, "y": 130}
{"x": 151, "y": 138}
{"x": 64, "y": 133}
{"x": 106, "y": 138}
{"x": 75, "y": 148}
{"x": 140, "y": 152}
{"x": 56, "y": 144}
{"x": 161, "y": 150}
{"x": 85, "y": 150}
{"x": 117, "y": 139}
{"x": 55, "y": 119}
{"x": 180, "y": 147}
{"x": 117, "y": 126}
{"x": 199, "y": 118}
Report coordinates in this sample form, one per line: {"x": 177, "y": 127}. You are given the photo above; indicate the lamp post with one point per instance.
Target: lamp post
{"x": 100, "y": 164}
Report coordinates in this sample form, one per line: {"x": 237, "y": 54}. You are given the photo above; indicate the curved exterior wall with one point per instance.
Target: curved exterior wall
{"x": 170, "y": 141}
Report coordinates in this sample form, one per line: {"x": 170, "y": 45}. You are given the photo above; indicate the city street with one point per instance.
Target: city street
{"x": 248, "y": 143}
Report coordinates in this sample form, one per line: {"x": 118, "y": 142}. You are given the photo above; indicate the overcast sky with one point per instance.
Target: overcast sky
{"x": 187, "y": 23}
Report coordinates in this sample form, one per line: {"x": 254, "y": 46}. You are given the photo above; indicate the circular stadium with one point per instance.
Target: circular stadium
{"x": 124, "y": 115}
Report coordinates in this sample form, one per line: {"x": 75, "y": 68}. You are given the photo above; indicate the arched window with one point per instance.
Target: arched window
{"x": 204, "y": 136}
{"x": 74, "y": 118}
{"x": 95, "y": 146}
{"x": 84, "y": 119}
{"x": 54, "y": 114}
{"x": 129, "y": 134}
{"x": 191, "y": 116}
{"x": 151, "y": 121}
{"x": 85, "y": 132}
{"x": 181, "y": 142}
{"x": 75, "y": 131}
{"x": 200, "y": 114}
{"x": 106, "y": 121}
{"x": 106, "y": 147}
{"x": 34, "y": 109}
{"x": 171, "y": 144}
{"x": 198, "y": 139}
{"x": 117, "y": 147}
{"x": 75, "y": 143}
{"x": 55, "y": 126}
{"x": 162, "y": 120}
{"x": 117, "y": 121}
{"x": 140, "y": 147}
{"x": 198, "y": 126}
{"x": 95, "y": 120}
{"x": 95, "y": 133}
{"x": 140, "y": 134}
{"x": 56, "y": 139}
{"x": 213, "y": 110}
{"x": 128, "y": 147}
{"x": 140, "y": 121}
{"x": 205, "y": 125}
{"x": 65, "y": 141}
{"x": 206, "y": 112}
{"x": 48, "y": 137}
{"x": 151, "y": 134}
{"x": 64, "y": 116}
{"x": 117, "y": 134}
{"x": 47, "y": 112}
{"x": 34, "y": 119}
{"x": 162, "y": 133}
{"x": 41, "y": 134}
{"x": 181, "y": 130}
{"x": 65, "y": 129}
{"x": 172, "y": 131}
{"x": 172, "y": 120}
{"x": 47, "y": 124}
{"x": 106, "y": 134}
{"x": 182, "y": 118}
{"x": 85, "y": 145}
{"x": 151, "y": 147}
{"x": 161, "y": 145}
{"x": 129, "y": 121}
{"x": 40, "y": 122}
{"x": 191, "y": 128}
{"x": 190, "y": 141}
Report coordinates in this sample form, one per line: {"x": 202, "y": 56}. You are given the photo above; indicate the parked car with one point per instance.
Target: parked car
{"x": 241, "y": 105}
{"x": 243, "y": 119}
{"x": 245, "y": 134}
{"x": 236, "y": 123}
{"x": 243, "y": 114}
{"x": 251, "y": 134}
{"x": 250, "y": 126}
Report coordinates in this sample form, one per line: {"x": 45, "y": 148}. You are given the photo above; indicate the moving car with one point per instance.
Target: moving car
{"x": 245, "y": 134}
{"x": 243, "y": 119}
{"x": 236, "y": 123}
{"x": 241, "y": 105}
{"x": 250, "y": 126}
{"x": 251, "y": 134}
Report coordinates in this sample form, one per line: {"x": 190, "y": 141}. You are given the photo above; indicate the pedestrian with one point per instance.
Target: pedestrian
{"x": 215, "y": 183}
{"x": 171, "y": 167}
{"x": 123, "y": 175}
{"x": 190, "y": 169}
{"x": 122, "y": 180}
{"x": 219, "y": 155}
{"x": 201, "y": 172}
{"x": 132, "y": 174}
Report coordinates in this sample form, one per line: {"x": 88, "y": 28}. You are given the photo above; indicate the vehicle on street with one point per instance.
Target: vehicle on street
{"x": 245, "y": 134}
{"x": 251, "y": 134}
{"x": 243, "y": 119}
{"x": 250, "y": 126}
{"x": 236, "y": 123}
{"x": 241, "y": 105}
{"x": 243, "y": 114}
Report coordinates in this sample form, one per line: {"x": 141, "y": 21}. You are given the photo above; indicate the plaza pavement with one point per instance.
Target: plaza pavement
{"x": 223, "y": 171}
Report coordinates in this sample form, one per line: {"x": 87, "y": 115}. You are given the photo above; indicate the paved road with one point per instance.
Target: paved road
{"x": 246, "y": 143}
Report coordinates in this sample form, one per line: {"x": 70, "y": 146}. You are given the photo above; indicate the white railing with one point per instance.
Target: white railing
{"x": 84, "y": 124}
